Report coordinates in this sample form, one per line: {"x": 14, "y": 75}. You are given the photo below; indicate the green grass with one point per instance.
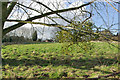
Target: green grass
{"x": 47, "y": 61}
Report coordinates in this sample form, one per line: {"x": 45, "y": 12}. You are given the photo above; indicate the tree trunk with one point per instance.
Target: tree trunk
{"x": 0, "y": 39}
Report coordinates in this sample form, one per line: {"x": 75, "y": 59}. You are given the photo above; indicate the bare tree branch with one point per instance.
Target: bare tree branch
{"x": 112, "y": 6}
{"x": 10, "y": 8}
{"x": 28, "y": 7}
{"x": 21, "y": 21}
{"x": 6, "y": 30}
{"x": 52, "y": 11}
{"x": 88, "y": 17}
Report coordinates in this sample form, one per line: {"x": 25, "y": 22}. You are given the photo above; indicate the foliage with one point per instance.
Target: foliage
{"x": 8, "y": 38}
{"x": 82, "y": 33}
{"x": 40, "y": 40}
{"x": 45, "y": 61}
{"x": 34, "y": 36}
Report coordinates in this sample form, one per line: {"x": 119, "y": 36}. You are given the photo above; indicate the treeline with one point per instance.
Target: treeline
{"x": 20, "y": 39}
{"x": 7, "y": 38}
{"x": 106, "y": 35}
{"x": 108, "y": 38}
{"x": 23, "y": 39}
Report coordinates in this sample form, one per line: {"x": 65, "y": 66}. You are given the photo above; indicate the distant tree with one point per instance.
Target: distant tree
{"x": 34, "y": 36}
{"x": 107, "y": 35}
{"x": 40, "y": 40}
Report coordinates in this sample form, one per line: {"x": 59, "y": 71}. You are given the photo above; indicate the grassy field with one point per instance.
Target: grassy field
{"x": 47, "y": 61}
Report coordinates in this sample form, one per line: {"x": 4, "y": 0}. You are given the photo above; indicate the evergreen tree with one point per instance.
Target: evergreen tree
{"x": 34, "y": 36}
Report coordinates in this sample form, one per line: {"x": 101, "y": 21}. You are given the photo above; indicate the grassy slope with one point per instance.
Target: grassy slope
{"x": 46, "y": 61}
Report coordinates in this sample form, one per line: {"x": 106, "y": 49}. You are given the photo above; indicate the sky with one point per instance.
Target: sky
{"x": 110, "y": 17}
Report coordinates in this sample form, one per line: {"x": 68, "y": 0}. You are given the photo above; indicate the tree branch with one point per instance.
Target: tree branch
{"x": 52, "y": 11}
{"x": 21, "y": 21}
{"x": 10, "y": 8}
{"x": 112, "y": 6}
{"x": 6, "y": 30}
{"x": 28, "y": 7}
{"x": 88, "y": 17}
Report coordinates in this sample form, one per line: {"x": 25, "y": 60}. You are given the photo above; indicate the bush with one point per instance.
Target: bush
{"x": 79, "y": 37}
{"x": 40, "y": 40}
